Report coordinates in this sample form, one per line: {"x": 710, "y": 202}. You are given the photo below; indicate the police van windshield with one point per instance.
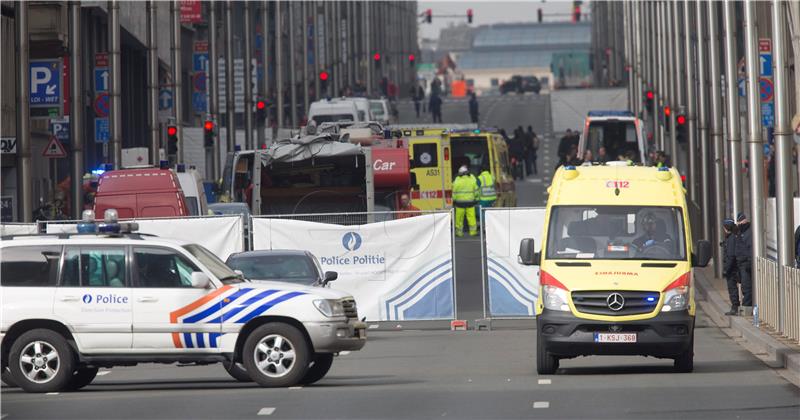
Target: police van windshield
{"x": 616, "y": 233}
{"x": 319, "y": 119}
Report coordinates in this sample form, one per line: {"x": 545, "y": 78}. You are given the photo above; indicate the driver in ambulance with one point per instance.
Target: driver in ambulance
{"x": 654, "y": 233}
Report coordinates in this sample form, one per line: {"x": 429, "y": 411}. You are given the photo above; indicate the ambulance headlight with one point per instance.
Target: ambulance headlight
{"x": 676, "y": 299}
{"x": 331, "y": 308}
{"x": 555, "y": 299}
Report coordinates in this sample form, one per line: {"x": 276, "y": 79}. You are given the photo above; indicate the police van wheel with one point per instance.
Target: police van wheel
{"x": 320, "y": 366}
{"x": 546, "y": 363}
{"x": 7, "y": 379}
{"x": 41, "y": 360}
{"x": 237, "y": 371}
{"x": 276, "y": 355}
{"x": 82, "y": 377}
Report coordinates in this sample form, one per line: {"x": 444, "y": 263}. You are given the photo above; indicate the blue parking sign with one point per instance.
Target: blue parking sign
{"x": 101, "y": 130}
{"x": 768, "y": 114}
{"x": 45, "y": 83}
{"x": 199, "y": 102}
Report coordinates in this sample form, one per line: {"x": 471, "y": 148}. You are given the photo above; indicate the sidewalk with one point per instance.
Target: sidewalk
{"x": 775, "y": 351}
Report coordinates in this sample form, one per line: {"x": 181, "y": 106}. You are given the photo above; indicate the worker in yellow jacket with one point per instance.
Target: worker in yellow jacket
{"x": 465, "y": 195}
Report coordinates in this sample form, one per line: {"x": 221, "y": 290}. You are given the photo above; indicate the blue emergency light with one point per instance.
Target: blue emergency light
{"x": 663, "y": 169}
{"x": 163, "y": 164}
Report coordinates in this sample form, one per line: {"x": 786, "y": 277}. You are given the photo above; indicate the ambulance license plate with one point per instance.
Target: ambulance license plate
{"x": 614, "y": 337}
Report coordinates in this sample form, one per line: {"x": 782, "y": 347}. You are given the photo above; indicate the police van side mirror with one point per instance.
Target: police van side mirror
{"x": 200, "y": 280}
{"x": 329, "y": 277}
{"x": 701, "y": 254}
{"x": 527, "y": 252}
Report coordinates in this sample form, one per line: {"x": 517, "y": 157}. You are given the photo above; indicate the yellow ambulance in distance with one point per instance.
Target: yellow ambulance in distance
{"x": 437, "y": 153}
{"x": 615, "y": 266}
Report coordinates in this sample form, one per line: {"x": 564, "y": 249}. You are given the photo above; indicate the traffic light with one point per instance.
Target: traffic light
{"x": 576, "y": 11}
{"x": 208, "y": 133}
{"x": 428, "y": 15}
{"x": 667, "y": 111}
{"x": 539, "y": 15}
{"x": 323, "y": 82}
{"x": 412, "y": 59}
{"x": 377, "y": 59}
{"x": 469, "y": 16}
{"x": 261, "y": 112}
{"x": 680, "y": 124}
{"x": 172, "y": 139}
{"x": 648, "y": 101}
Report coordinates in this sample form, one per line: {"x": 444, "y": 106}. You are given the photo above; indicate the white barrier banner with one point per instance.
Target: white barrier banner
{"x": 396, "y": 270}
{"x": 512, "y": 287}
{"x": 18, "y": 229}
{"x": 221, "y": 235}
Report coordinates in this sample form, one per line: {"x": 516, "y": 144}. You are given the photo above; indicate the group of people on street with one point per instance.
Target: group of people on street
{"x": 523, "y": 149}
{"x": 470, "y": 191}
{"x": 737, "y": 264}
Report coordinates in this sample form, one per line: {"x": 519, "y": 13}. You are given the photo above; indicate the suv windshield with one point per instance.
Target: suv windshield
{"x": 616, "y": 233}
{"x": 297, "y": 269}
{"x": 213, "y": 264}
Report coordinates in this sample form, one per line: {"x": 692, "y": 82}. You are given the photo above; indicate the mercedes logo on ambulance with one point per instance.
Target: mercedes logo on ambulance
{"x": 615, "y": 301}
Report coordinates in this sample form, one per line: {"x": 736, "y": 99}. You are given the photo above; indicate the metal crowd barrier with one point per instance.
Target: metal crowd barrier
{"x": 769, "y": 291}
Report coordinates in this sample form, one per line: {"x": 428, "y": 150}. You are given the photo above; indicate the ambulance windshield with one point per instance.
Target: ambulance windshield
{"x": 616, "y": 233}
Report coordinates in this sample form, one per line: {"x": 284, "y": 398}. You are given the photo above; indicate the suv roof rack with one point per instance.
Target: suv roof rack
{"x": 133, "y": 235}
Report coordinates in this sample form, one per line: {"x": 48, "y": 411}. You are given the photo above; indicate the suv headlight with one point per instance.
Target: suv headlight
{"x": 555, "y": 298}
{"x": 331, "y": 308}
{"x": 676, "y": 299}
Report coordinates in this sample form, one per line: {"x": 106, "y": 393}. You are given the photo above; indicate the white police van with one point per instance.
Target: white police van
{"x": 73, "y": 303}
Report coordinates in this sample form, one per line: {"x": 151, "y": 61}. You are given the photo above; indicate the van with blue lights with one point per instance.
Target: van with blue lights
{"x": 615, "y": 266}
{"x": 108, "y": 296}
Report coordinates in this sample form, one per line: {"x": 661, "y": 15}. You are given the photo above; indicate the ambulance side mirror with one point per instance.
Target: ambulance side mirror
{"x": 527, "y": 252}
{"x": 412, "y": 163}
{"x": 702, "y": 254}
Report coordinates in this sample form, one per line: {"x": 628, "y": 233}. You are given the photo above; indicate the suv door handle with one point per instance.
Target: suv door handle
{"x": 69, "y": 298}
{"x": 147, "y": 299}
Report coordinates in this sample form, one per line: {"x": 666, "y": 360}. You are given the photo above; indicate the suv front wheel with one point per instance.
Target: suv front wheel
{"x": 41, "y": 360}
{"x": 276, "y": 355}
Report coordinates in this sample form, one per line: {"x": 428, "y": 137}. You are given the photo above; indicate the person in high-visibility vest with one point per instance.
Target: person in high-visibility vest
{"x": 488, "y": 194}
{"x": 465, "y": 196}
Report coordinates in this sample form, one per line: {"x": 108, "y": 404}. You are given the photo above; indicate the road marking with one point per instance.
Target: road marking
{"x": 534, "y": 180}
{"x": 104, "y": 372}
{"x": 52, "y": 393}
{"x": 344, "y": 353}
{"x": 541, "y": 404}
{"x": 266, "y": 411}
{"x": 295, "y": 387}
{"x": 545, "y": 381}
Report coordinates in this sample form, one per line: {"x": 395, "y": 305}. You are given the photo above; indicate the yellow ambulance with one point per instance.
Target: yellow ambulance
{"x": 437, "y": 153}
{"x": 615, "y": 266}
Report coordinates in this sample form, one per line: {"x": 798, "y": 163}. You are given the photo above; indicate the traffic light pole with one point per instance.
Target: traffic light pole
{"x": 213, "y": 78}
{"x": 292, "y": 63}
{"x": 691, "y": 111}
{"x": 262, "y": 140}
{"x": 248, "y": 79}
{"x": 76, "y": 108}
{"x": 278, "y": 64}
{"x": 305, "y": 7}
{"x": 732, "y": 102}
{"x": 716, "y": 130}
{"x": 230, "y": 117}
{"x": 702, "y": 117}
{"x": 177, "y": 76}
{"x": 755, "y": 141}
{"x": 368, "y": 44}
{"x": 152, "y": 81}
{"x": 115, "y": 70}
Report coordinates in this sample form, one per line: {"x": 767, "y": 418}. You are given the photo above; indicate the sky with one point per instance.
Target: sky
{"x": 489, "y": 12}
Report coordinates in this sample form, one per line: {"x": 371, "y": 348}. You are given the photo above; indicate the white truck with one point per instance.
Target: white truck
{"x": 74, "y": 303}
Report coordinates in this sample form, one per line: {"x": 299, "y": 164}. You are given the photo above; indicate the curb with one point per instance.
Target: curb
{"x": 772, "y": 352}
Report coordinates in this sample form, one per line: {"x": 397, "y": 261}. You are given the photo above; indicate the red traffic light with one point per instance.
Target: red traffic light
{"x": 650, "y": 94}
{"x": 376, "y": 56}
{"x": 411, "y": 57}
{"x": 323, "y": 75}
{"x": 172, "y": 130}
{"x": 208, "y": 125}
{"x": 681, "y": 119}
{"x": 667, "y": 111}
{"x": 261, "y": 105}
